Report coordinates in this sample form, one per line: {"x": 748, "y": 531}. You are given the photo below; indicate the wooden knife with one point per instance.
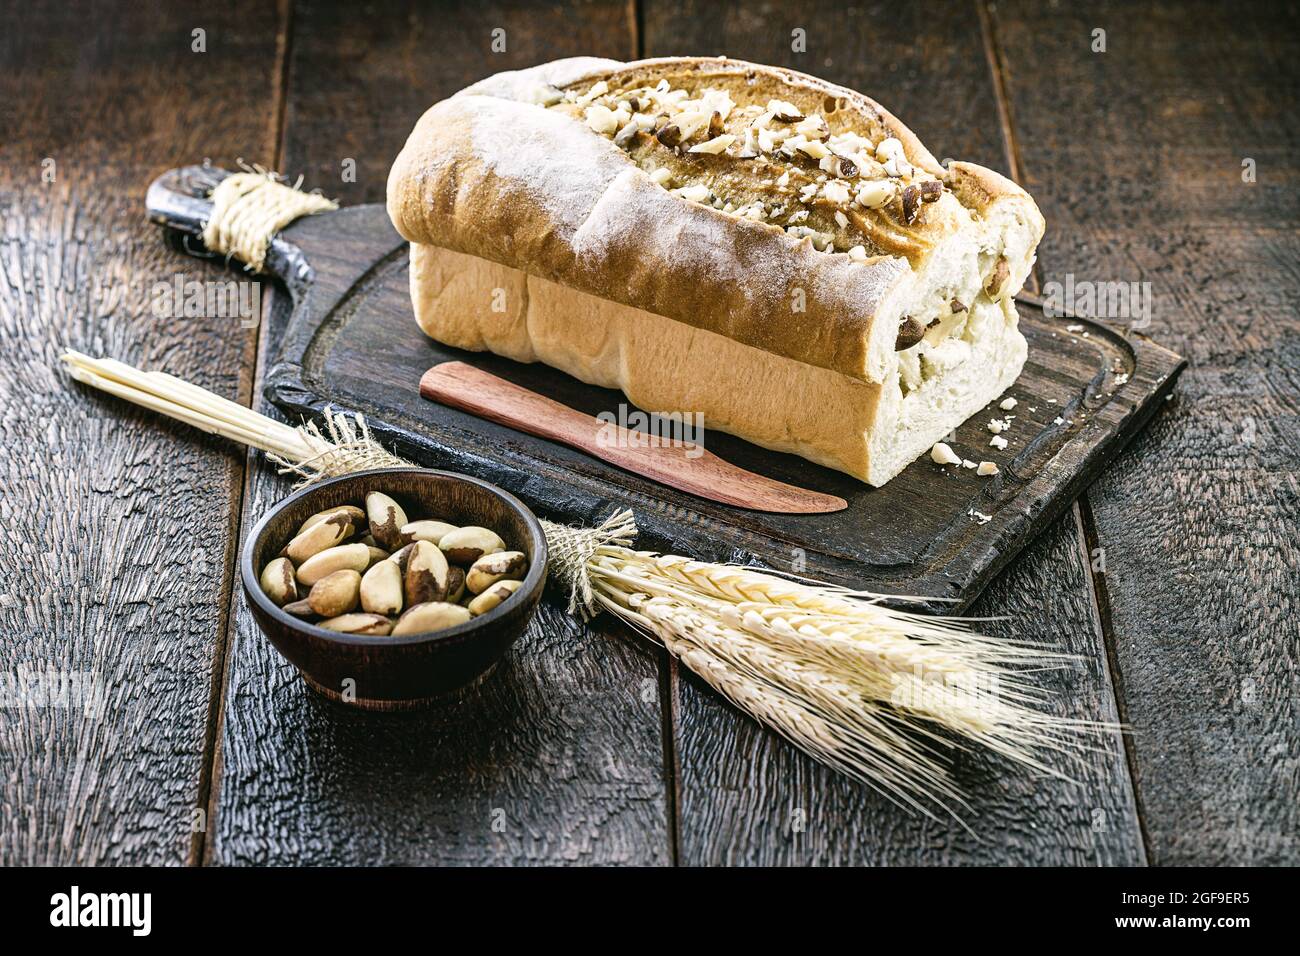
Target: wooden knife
{"x": 676, "y": 464}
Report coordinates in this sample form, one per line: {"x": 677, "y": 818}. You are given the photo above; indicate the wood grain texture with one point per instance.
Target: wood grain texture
{"x": 1135, "y": 157}
{"x": 1198, "y": 522}
{"x": 350, "y": 335}
{"x": 558, "y": 758}
{"x": 116, "y": 527}
{"x": 546, "y": 762}
{"x": 743, "y": 792}
{"x": 399, "y": 58}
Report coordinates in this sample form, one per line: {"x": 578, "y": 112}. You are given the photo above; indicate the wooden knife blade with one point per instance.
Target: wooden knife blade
{"x": 676, "y": 464}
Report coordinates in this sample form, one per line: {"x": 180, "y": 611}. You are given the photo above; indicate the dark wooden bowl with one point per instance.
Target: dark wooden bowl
{"x": 398, "y": 673}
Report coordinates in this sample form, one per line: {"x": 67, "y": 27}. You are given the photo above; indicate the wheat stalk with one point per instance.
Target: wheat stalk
{"x": 862, "y": 686}
{"x": 863, "y": 671}
{"x": 853, "y": 734}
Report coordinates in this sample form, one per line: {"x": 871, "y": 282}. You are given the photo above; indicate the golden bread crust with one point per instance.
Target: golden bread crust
{"x": 493, "y": 174}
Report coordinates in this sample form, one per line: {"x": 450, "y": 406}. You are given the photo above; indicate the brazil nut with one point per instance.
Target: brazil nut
{"x": 336, "y": 593}
{"x": 278, "y": 582}
{"x": 493, "y": 596}
{"x": 386, "y": 520}
{"x": 381, "y": 589}
{"x": 431, "y": 616}
{"x": 426, "y": 574}
{"x": 491, "y": 568}
{"x": 358, "y": 623}
{"x": 326, "y": 533}
{"x": 466, "y": 545}
{"x": 354, "y": 557}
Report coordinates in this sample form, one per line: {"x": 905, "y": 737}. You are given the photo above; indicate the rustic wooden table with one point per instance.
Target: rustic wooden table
{"x": 1175, "y": 578}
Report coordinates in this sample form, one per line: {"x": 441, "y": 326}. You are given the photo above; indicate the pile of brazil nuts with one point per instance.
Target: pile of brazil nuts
{"x": 372, "y": 571}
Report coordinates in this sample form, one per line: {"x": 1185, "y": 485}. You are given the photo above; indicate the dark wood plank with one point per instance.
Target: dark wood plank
{"x": 427, "y": 54}
{"x": 742, "y": 788}
{"x": 559, "y": 756}
{"x": 118, "y": 528}
{"x": 1198, "y": 521}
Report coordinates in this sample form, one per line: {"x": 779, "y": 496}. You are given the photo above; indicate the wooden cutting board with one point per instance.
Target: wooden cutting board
{"x": 941, "y": 533}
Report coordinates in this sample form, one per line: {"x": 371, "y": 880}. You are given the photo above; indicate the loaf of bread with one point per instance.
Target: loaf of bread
{"x": 711, "y": 236}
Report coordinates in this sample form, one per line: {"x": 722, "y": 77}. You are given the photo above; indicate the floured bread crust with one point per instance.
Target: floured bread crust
{"x": 871, "y": 431}
{"x": 712, "y": 236}
{"x": 519, "y": 170}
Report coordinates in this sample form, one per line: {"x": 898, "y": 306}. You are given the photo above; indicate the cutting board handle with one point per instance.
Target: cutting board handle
{"x": 180, "y": 200}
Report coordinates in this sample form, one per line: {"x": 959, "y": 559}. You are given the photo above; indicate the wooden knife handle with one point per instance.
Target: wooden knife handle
{"x": 483, "y": 394}
{"x": 673, "y": 463}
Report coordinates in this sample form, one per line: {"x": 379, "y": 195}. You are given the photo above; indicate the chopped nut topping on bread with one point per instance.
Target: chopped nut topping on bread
{"x": 682, "y": 275}
{"x": 729, "y": 151}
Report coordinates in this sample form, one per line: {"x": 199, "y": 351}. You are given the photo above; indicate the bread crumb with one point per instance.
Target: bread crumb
{"x": 1007, "y": 404}
{"x": 997, "y": 441}
{"x": 967, "y": 463}
{"x": 987, "y": 468}
{"x": 941, "y": 454}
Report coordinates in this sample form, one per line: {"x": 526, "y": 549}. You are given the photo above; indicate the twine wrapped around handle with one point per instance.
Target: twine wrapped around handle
{"x": 249, "y": 208}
